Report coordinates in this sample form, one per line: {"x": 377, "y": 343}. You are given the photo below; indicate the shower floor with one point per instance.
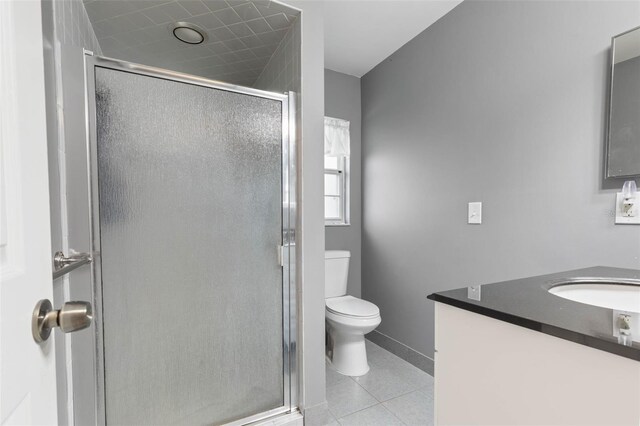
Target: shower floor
{"x": 393, "y": 392}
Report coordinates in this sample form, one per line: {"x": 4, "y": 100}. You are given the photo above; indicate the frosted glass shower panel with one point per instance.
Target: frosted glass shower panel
{"x": 190, "y": 188}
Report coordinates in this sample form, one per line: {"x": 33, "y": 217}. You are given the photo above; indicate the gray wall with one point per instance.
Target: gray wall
{"x": 500, "y": 102}
{"x": 310, "y": 226}
{"x": 342, "y": 100}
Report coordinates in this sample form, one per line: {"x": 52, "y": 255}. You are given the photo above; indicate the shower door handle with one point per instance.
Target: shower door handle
{"x": 73, "y": 316}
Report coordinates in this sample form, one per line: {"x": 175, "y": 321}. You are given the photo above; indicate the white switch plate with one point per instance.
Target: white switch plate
{"x": 624, "y": 220}
{"x": 475, "y": 213}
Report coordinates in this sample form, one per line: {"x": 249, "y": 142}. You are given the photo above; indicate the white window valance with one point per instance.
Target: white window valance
{"x": 336, "y": 137}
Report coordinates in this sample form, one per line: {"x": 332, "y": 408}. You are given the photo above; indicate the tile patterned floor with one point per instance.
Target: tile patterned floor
{"x": 393, "y": 392}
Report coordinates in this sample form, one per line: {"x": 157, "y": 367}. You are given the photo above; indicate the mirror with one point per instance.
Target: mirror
{"x": 623, "y": 153}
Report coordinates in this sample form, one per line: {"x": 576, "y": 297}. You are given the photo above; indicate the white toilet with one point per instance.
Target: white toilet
{"x": 348, "y": 318}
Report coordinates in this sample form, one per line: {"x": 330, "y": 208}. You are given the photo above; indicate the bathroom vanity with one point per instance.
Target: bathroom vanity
{"x": 515, "y": 353}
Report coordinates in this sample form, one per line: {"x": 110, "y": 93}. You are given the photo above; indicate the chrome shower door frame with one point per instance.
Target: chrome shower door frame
{"x": 288, "y": 194}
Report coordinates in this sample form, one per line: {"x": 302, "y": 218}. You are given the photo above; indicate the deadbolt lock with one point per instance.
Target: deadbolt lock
{"x": 73, "y": 316}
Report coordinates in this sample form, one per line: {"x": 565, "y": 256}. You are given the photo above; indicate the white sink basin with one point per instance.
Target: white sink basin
{"x": 612, "y": 293}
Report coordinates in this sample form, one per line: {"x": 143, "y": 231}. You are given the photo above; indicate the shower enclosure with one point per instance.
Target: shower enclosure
{"x": 192, "y": 205}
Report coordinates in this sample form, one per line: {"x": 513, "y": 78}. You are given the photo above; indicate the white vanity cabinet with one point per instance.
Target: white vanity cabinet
{"x": 491, "y": 372}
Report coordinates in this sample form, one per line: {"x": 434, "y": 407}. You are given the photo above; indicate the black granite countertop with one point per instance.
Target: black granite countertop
{"x": 526, "y": 302}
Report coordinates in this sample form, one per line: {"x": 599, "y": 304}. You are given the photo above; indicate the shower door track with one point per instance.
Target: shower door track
{"x": 288, "y": 250}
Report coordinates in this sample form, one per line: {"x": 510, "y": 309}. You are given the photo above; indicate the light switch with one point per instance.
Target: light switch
{"x": 475, "y": 213}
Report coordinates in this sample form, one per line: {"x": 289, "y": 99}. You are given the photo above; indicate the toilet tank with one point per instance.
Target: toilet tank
{"x": 336, "y": 272}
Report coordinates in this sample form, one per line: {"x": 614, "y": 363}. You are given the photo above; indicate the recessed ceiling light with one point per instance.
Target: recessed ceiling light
{"x": 188, "y": 33}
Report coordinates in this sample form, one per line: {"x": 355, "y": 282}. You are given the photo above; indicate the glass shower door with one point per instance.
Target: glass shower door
{"x": 190, "y": 207}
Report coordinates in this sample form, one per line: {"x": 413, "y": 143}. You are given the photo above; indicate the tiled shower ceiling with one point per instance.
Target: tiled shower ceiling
{"x": 242, "y": 35}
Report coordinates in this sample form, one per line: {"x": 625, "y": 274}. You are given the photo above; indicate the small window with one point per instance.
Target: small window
{"x": 336, "y": 184}
{"x": 336, "y": 172}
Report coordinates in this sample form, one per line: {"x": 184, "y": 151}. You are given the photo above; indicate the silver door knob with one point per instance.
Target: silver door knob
{"x": 73, "y": 316}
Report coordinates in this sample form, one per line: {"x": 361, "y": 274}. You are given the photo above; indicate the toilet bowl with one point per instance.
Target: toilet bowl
{"x": 348, "y": 318}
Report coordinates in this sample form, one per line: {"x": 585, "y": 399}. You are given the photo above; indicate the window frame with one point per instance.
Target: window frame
{"x": 342, "y": 171}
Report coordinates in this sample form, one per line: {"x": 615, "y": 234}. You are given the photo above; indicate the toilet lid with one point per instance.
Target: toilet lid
{"x": 352, "y": 306}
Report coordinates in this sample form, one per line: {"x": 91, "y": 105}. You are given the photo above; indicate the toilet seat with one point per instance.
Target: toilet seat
{"x": 349, "y": 306}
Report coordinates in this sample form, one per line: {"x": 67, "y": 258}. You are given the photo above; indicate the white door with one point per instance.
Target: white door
{"x": 27, "y": 369}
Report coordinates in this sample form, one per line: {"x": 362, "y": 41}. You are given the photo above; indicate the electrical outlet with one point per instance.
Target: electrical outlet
{"x": 635, "y": 324}
{"x": 474, "y": 292}
{"x": 621, "y": 219}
